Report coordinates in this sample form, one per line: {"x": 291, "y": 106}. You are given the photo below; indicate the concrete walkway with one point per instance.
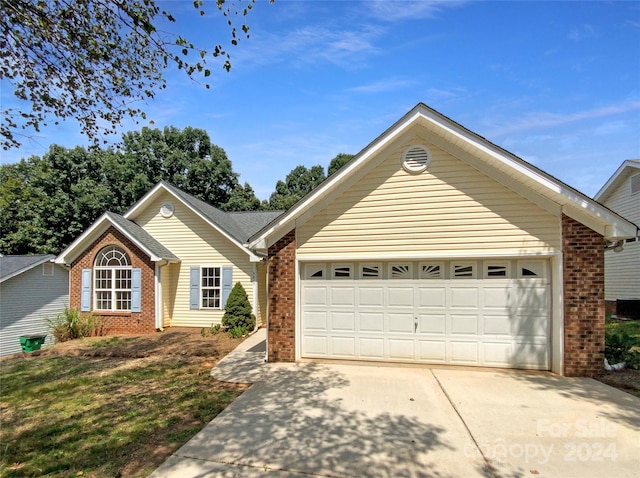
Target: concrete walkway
{"x": 336, "y": 420}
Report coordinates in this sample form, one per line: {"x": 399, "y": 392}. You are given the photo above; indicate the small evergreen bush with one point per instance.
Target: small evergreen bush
{"x": 238, "y": 319}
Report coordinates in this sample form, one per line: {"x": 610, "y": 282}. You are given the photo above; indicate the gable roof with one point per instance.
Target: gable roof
{"x": 497, "y": 163}
{"x": 626, "y": 169}
{"x": 235, "y": 226}
{"x": 141, "y": 238}
{"x": 11, "y": 266}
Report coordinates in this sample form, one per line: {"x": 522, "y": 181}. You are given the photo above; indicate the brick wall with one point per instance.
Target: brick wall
{"x": 281, "y": 275}
{"x": 583, "y": 269}
{"x": 118, "y": 322}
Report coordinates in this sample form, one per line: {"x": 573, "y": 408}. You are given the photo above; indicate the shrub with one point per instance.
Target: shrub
{"x": 621, "y": 347}
{"x": 238, "y": 319}
{"x": 71, "y": 324}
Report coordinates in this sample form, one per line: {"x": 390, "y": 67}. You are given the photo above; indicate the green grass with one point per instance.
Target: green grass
{"x": 71, "y": 416}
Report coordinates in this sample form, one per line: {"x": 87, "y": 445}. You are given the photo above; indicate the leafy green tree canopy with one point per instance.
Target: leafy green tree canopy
{"x": 336, "y": 163}
{"x": 95, "y": 60}
{"x": 45, "y": 203}
{"x": 296, "y": 185}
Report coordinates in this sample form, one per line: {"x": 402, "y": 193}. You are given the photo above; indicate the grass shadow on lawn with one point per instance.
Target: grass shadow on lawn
{"x": 104, "y": 416}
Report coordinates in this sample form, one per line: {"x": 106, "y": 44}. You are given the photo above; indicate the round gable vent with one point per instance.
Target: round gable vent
{"x": 415, "y": 159}
{"x": 166, "y": 210}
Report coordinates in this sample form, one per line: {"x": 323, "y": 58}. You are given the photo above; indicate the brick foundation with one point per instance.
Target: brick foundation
{"x": 583, "y": 269}
{"x": 116, "y": 322}
{"x": 281, "y": 275}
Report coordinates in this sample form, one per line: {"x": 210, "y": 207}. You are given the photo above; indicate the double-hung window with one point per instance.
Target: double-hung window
{"x": 210, "y": 288}
{"x": 112, "y": 280}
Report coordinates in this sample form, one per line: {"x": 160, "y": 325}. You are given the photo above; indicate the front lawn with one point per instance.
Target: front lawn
{"x": 108, "y": 407}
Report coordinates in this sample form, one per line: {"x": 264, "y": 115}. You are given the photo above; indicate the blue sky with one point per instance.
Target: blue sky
{"x": 556, "y": 83}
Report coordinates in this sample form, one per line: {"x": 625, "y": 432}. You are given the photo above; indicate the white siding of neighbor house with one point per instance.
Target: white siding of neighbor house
{"x": 27, "y": 301}
{"x": 622, "y": 269}
{"x": 196, "y": 243}
{"x": 450, "y": 209}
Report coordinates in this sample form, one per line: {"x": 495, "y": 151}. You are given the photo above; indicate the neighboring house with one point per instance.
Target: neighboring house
{"x": 433, "y": 245}
{"x": 171, "y": 260}
{"x": 621, "y": 193}
{"x": 32, "y": 290}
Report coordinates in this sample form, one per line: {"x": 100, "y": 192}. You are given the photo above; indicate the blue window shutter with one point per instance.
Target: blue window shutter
{"x": 227, "y": 284}
{"x": 136, "y": 289}
{"x": 194, "y": 288}
{"x": 85, "y": 296}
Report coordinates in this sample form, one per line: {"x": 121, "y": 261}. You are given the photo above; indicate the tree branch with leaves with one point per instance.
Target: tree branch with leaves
{"x": 95, "y": 60}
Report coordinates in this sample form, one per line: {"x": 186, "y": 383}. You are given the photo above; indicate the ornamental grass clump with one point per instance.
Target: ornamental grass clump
{"x": 238, "y": 319}
{"x": 71, "y": 324}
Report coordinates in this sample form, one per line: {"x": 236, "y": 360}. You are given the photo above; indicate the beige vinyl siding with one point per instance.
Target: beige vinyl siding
{"x": 28, "y": 300}
{"x": 450, "y": 209}
{"x": 196, "y": 243}
{"x": 622, "y": 269}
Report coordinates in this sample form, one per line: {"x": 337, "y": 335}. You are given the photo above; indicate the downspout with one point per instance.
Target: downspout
{"x": 158, "y": 291}
{"x": 254, "y": 302}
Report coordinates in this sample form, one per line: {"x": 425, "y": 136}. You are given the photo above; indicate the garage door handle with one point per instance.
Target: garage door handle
{"x": 415, "y": 324}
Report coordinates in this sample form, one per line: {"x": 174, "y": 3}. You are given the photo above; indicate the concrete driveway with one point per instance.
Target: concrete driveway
{"x": 340, "y": 420}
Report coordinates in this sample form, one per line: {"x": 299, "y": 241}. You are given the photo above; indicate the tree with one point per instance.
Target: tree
{"x": 47, "y": 202}
{"x": 337, "y": 162}
{"x": 297, "y": 184}
{"x": 94, "y": 60}
{"x": 238, "y": 318}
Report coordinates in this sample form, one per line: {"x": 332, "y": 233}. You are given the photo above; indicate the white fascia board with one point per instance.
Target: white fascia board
{"x": 144, "y": 199}
{"x": 88, "y": 236}
{"x": 565, "y": 195}
{"x": 70, "y": 252}
{"x": 604, "y": 191}
{"x": 151, "y": 194}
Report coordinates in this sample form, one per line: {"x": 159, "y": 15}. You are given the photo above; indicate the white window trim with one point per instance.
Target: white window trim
{"x": 202, "y": 287}
{"x": 112, "y": 289}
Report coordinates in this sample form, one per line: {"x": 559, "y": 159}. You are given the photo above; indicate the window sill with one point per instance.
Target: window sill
{"x": 111, "y": 312}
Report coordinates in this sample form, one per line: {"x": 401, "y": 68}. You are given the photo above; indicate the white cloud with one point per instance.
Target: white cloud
{"x": 389, "y": 84}
{"x": 548, "y": 119}
{"x": 392, "y": 11}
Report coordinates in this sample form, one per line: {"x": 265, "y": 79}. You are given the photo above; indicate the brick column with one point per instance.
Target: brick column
{"x": 583, "y": 270}
{"x": 282, "y": 300}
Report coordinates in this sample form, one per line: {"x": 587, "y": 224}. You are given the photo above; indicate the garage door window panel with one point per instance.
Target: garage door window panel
{"x": 402, "y": 270}
{"x": 342, "y": 271}
{"x": 497, "y": 270}
{"x": 431, "y": 270}
{"x": 370, "y": 271}
{"x": 314, "y": 271}
{"x": 464, "y": 270}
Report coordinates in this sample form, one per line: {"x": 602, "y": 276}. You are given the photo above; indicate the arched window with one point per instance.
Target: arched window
{"x": 112, "y": 275}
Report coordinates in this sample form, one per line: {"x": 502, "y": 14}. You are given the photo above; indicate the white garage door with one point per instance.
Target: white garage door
{"x": 488, "y": 313}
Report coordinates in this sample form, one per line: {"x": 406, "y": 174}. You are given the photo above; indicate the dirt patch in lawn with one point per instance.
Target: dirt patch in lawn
{"x": 109, "y": 406}
{"x": 177, "y": 341}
